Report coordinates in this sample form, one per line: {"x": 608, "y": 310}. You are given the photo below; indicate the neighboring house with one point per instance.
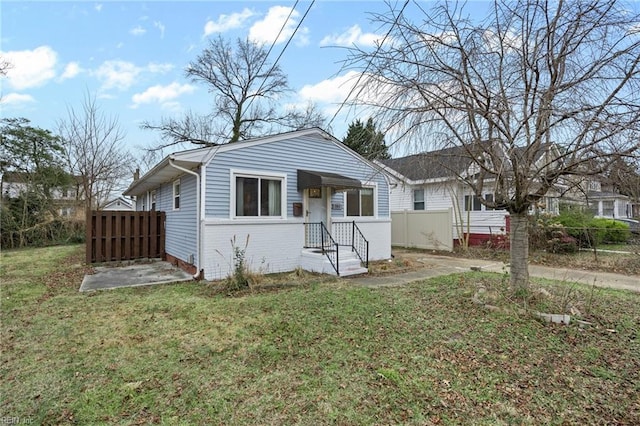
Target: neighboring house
{"x": 68, "y": 200}
{"x": 604, "y": 202}
{"x": 280, "y": 195}
{"x": 119, "y": 204}
{"x": 431, "y": 181}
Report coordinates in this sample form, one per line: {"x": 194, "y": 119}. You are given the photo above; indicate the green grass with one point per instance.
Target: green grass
{"x": 313, "y": 353}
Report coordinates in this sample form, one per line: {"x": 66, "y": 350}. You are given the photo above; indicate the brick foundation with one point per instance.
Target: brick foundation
{"x": 188, "y": 267}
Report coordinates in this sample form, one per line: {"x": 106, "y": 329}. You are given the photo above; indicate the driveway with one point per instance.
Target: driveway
{"x": 140, "y": 274}
{"x": 444, "y": 265}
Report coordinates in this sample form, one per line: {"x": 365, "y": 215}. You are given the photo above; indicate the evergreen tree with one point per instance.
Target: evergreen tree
{"x": 366, "y": 140}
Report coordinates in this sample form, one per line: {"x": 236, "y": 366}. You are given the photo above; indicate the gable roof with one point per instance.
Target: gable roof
{"x": 443, "y": 163}
{"x": 165, "y": 170}
{"x": 448, "y": 162}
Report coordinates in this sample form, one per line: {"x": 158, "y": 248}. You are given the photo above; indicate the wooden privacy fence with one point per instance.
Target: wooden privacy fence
{"x": 124, "y": 235}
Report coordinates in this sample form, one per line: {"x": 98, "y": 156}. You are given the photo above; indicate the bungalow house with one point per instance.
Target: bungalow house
{"x": 119, "y": 204}
{"x": 434, "y": 180}
{"x": 294, "y": 200}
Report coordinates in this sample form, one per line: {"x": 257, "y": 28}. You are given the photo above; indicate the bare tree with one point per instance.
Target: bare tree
{"x": 245, "y": 88}
{"x": 310, "y": 116}
{"x": 532, "y": 78}
{"x": 94, "y": 152}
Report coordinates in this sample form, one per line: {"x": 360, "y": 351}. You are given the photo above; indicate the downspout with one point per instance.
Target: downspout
{"x": 199, "y": 245}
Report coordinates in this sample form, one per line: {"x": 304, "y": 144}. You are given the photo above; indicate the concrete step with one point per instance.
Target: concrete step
{"x": 316, "y": 261}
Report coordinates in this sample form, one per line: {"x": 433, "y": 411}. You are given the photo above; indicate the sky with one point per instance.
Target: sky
{"x": 131, "y": 55}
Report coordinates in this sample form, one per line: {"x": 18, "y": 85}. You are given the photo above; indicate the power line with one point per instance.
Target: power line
{"x": 395, "y": 22}
{"x": 281, "y": 52}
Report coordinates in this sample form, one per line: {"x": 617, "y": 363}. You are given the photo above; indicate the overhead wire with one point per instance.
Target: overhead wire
{"x": 395, "y": 22}
{"x": 275, "y": 63}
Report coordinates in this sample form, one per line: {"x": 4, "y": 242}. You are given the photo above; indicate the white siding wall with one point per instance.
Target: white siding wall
{"x": 275, "y": 246}
{"x": 272, "y": 247}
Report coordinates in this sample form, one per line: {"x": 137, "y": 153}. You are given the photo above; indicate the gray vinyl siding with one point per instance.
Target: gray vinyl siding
{"x": 287, "y": 156}
{"x": 181, "y": 225}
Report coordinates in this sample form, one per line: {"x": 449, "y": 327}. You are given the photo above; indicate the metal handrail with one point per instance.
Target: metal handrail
{"x": 327, "y": 251}
{"x": 356, "y": 232}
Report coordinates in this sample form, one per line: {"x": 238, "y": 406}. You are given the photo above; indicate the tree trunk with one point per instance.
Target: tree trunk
{"x": 519, "y": 239}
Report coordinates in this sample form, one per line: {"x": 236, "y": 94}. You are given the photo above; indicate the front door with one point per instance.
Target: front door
{"x": 316, "y": 212}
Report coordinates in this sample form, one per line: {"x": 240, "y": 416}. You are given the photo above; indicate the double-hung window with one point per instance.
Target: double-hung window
{"x": 360, "y": 202}
{"x": 472, "y": 203}
{"x": 419, "y": 201}
{"x": 176, "y": 195}
{"x": 258, "y": 196}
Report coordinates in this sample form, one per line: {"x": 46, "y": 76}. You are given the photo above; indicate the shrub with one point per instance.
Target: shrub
{"x": 610, "y": 231}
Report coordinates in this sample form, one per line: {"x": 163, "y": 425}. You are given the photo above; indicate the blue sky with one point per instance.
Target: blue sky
{"x": 131, "y": 55}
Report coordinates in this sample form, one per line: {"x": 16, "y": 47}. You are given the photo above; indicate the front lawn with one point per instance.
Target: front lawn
{"x": 314, "y": 353}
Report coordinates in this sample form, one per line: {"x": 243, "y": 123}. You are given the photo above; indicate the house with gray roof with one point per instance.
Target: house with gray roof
{"x": 294, "y": 200}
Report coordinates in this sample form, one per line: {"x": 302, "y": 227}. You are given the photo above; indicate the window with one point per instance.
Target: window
{"x": 607, "y": 208}
{"x": 152, "y": 196}
{"x": 258, "y": 196}
{"x": 176, "y": 195}
{"x": 472, "y": 203}
{"x": 360, "y": 202}
{"x": 489, "y": 199}
{"x": 419, "y": 199}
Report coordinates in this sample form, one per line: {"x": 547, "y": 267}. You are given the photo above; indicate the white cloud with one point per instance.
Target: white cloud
{"x": 137, "y": 31}
{"x": 16, "y": 99}
{"x": 117, "y": 74}
{"x": 71, "y": 70}
{"x": 352, "y": 36}
{"x": 333, "y": 90}
{"x": 160, "y": 26}
{"x": 98, "y": 7}
{"x": 122, "y": 75}
{"x": 227, "y": 22}
{"x": 162, "y": 94}
{"x": 30, "y": 68}
{"x": 266, "y": 30}
{"x": 159, "y": 68}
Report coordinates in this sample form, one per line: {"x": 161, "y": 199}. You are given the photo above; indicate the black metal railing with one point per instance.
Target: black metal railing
{"x": 330, "y": 248}
{"x": 343, "y": 234}
{"x": 360, "y": 245}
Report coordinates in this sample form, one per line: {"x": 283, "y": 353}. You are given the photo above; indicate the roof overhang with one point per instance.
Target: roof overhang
{"x": 314, "y": 179}
{"x": 163, "y": 172}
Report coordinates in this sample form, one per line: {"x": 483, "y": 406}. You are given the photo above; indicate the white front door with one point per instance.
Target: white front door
{"x": 316, "y": 212}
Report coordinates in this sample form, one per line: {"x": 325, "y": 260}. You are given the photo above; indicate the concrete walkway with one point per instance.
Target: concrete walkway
{"x": 444, "y": 265}
{"x": 141, "y": 274}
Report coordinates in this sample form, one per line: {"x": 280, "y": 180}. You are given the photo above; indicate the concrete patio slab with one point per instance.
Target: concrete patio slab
{"x": 142, "y": 274}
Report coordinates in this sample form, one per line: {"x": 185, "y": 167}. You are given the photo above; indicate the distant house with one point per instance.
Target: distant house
{"x": 432, "y": 181}
{"x": 605, "y": 202}
{"x": 119, "y": 204}
{"x": 68, "y": 200}
{"x": 297, "y": 200}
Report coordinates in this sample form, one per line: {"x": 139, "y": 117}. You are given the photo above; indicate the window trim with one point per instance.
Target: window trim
{"x": 178, "y": 196}
{"x": 257, "y": 174}
{"x": 424, "y": 199}
{"x": 471, "y": 208}
{"x": 374, "y": 188}
{"x": 153, "y": 198}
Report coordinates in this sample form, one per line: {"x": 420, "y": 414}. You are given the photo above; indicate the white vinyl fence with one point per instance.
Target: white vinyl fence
{"x": 432, "y": 230}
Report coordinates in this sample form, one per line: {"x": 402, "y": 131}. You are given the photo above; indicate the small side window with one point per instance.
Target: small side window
{"x": 176, "y": 195}
{"x": 418, "y": 199}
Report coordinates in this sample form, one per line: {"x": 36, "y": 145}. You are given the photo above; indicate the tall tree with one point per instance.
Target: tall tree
{"x": 94, "y": 152}
{"x": 531, "y": 74}
{"x": 32, "y": 170}
{"x": 245, "y": 88}
{"x": 366, "y": 140}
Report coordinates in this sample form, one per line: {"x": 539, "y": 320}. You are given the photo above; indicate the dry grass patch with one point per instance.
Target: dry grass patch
{"x": 306, "y": 352}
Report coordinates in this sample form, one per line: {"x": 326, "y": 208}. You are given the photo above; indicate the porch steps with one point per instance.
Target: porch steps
{"x": 315, "y": 261}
